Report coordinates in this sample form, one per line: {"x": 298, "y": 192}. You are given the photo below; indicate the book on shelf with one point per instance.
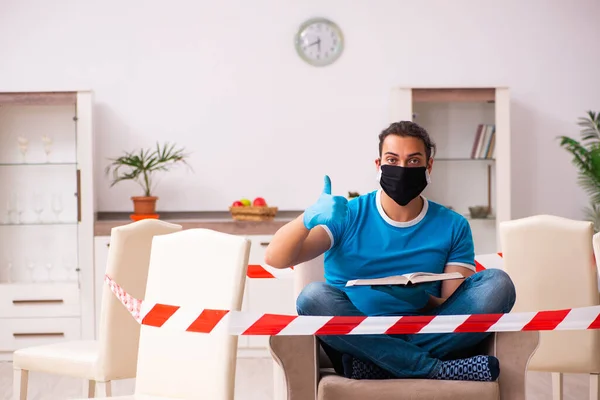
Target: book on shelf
{"x": 406, "y": 279}
{"x": 484, "y": 143}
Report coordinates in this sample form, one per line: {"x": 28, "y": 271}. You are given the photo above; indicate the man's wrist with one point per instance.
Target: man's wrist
{"x": 306, "y": 221}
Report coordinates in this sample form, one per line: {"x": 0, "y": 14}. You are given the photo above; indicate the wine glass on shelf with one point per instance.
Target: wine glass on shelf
{"x": 47, "y": 140}
{"x": 38, "y": 205}
{"x": 23, "y": 145}
{"x": 20, "y": 209}
{"x": 15, "y": 205}
{"x": 49, "y": 271}
{"x": 57, "y": 206}
{"x": 11, "y": 207}
{"x": 31, "y": 268}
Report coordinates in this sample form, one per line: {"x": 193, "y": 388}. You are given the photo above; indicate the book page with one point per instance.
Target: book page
{"x": 390, "y": 280}
{"x": 415, "y": 278}
{"x": 413, "y": 275}
{"x": 427, "y": 277}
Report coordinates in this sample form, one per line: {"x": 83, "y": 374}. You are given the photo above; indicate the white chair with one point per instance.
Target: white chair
{"x": 194, "y": 268}
{"x": 114, "y": 355}
{"x": 551, "y": 262}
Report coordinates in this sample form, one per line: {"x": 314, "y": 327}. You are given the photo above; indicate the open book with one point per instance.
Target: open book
{"x": 406, "y": 279}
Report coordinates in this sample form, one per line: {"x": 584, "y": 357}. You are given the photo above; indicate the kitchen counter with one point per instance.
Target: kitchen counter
{"x": 216, "y": 220}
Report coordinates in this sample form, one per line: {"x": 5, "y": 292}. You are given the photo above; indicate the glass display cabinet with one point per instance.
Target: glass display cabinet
{"x": 46, "y": 218}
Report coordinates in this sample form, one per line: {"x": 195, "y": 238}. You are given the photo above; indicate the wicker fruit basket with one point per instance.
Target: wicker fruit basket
{"x": 250, "y": 213}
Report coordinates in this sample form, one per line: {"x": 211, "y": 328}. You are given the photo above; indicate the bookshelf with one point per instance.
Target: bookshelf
{"x": 471, "y": 128}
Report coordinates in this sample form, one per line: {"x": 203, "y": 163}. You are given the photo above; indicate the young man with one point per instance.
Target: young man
{"x": 394, "y": 231}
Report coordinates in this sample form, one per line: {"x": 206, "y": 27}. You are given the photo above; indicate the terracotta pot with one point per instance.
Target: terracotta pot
{"x": 144, "y": 205}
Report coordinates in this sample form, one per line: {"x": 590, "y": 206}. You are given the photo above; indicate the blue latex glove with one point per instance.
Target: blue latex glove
{"x": 412, "y": 294}
{"x": 327, "y": 209}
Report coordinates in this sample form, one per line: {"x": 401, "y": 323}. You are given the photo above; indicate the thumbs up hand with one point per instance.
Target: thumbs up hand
{"x": 328, "y": 209}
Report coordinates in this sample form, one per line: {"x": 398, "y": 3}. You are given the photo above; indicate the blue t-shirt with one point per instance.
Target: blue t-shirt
{"x": 369, "y": 244}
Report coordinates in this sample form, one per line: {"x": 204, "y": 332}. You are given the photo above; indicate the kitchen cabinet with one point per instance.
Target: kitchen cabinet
{"x": 46, "y": 218}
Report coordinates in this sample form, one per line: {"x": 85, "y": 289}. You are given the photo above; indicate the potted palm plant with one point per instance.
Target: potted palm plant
{"x": 140, "y": 167}
{"x": 586, "y": 157}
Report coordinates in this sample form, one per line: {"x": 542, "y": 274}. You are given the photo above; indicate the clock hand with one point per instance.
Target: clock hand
{"x": 319, "y": 42}
{"x": 313, "y": 43}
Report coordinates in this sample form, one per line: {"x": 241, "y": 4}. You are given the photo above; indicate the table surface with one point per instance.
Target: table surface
{"x": 217, "y": 220}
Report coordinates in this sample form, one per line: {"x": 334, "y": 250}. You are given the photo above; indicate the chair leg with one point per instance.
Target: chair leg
{"x": 104, "y": 389}
{"x": 557, "y": 386}
{"x": 594, "y": 387}
{"x": 20, "y": 379}
{"x": 91, "y": 389}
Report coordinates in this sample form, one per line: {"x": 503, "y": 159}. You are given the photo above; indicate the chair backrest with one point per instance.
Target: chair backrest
{"x": 596, "y": 246}
{"x": 307, "y": 272}
{"x": 551, "y": 262}
{"x": 195, "y": 269}
{"x": 128, "y": 261}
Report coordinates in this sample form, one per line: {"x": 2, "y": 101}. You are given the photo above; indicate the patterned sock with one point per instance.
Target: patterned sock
{"x": 478, "y": 368}
{"x": 357, "y": 369}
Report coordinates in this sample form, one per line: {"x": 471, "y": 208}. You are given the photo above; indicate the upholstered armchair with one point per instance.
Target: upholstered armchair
{"x": 307, "y": 373}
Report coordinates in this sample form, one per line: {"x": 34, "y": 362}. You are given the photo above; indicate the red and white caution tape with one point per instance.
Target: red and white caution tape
{"x": 255, "y": 271}
{"x": 253, "y": 323}
{"x": 488, "y": 261}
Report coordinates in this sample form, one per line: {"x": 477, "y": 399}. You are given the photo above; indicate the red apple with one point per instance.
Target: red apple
{"x": 259, "y": 202}
{"x": 237, "y": 204}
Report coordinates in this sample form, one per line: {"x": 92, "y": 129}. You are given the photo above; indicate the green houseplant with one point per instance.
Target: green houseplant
{"x": 140, "y": 166}
{"x": 586, "y": 157}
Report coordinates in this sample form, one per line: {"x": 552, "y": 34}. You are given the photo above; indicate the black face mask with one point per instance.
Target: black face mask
{"x": 403, "y": 184}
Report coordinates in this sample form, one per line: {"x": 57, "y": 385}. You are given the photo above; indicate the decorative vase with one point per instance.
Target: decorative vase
{"x": 144, "y": 205}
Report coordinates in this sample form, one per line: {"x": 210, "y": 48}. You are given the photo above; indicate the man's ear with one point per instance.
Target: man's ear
{"x": 377, "y": 162}
{"x": 430, "y": 165}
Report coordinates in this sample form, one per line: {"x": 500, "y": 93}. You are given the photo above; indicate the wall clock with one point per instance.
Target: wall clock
{"x": 319, "y": 42}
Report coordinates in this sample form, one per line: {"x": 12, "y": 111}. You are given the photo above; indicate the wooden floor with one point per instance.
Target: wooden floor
{"x": 253, "y": 382}
{"x": 254, "y": 379}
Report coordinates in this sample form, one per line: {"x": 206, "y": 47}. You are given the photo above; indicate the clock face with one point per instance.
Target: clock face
{"x": 319, "y": 42}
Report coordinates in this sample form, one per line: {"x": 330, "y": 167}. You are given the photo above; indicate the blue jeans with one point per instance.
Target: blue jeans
{"x": 411, "y": 356}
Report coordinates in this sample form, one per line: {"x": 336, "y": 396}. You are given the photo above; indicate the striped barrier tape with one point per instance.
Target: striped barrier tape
{"x": 255, "y": 323}
{"x": 255, "y": 271}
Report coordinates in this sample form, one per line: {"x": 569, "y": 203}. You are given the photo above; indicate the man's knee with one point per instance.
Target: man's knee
{"x": 311, "y": 298}
{"x": 500, "y": 289}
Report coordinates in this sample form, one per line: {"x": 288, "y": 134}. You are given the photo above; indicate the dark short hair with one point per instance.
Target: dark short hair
{"x": 408, "y": 128}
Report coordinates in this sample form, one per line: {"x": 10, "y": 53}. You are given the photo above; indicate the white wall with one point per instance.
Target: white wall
{"x": 222, "y": 78}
